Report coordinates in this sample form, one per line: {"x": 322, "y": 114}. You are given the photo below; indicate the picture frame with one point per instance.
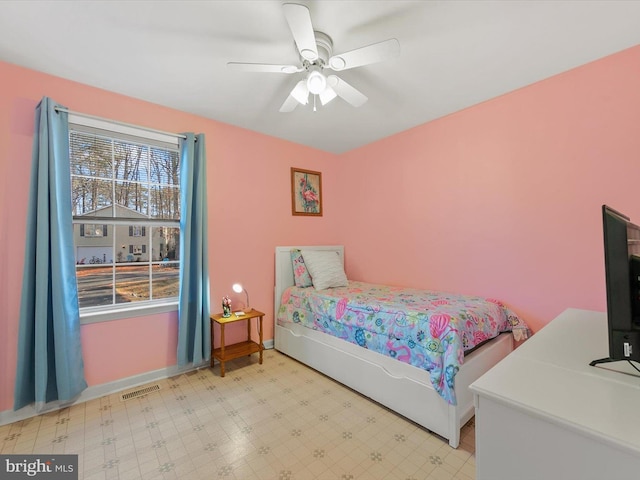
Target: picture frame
{"x": 306, "y": 192}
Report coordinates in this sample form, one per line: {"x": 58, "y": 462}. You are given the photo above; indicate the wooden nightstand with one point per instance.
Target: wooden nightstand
{"x": 228, "y": 352}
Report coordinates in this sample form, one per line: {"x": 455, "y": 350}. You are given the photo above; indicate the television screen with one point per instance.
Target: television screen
{"x": 622, "y": 276}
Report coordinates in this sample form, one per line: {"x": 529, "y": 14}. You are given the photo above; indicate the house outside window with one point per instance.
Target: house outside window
{"x": 126, "y": 217}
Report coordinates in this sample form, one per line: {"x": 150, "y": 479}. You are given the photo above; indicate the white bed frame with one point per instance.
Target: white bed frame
{"x": 399, "y": 386}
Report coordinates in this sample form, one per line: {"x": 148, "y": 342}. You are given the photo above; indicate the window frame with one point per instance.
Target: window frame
{"x": 125, "y": 132}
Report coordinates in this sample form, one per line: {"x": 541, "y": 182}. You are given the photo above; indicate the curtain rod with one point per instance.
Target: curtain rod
{"x": 86, "y": 115}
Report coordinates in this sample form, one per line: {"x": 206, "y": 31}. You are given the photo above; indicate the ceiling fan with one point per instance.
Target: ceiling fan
{"x": 316, "y": 55}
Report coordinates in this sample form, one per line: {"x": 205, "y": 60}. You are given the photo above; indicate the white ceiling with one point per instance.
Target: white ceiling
{"x": 454, "y": 54}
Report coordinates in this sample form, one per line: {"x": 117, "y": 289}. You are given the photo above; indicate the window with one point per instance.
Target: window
{"x": 136, "y": 231}
{"x": 93, "y": 230}
{"x": 125, "y": 191}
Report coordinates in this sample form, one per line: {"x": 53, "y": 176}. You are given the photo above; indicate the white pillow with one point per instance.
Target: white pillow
{"x": 325, "y": 268}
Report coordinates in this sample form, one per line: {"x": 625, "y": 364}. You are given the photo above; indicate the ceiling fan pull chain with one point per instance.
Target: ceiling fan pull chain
{"x": 314, "y": 103}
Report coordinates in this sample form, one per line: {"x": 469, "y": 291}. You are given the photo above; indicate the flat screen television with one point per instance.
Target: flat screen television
{"x": 622, "y": 273}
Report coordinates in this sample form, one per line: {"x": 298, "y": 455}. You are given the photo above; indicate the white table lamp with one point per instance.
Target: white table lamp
{"x": 239, "y": 288}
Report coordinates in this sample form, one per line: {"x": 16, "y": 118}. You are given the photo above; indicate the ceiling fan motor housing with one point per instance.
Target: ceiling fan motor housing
{"x": 325, "y": 49}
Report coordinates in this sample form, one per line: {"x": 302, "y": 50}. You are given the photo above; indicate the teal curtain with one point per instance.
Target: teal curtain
{"x": 194, "y": 330}
{"x": 50, "y": 370}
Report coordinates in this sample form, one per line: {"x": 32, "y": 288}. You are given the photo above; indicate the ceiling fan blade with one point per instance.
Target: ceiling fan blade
{"x": 299, "y": 20}
{"x": 376, "y": 52}
{"x": 299, "y": 94}
{"x": 346, "y": 91}
{"x": 263, "y": 67}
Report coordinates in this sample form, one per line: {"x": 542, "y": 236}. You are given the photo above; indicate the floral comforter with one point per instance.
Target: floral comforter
{"x": 427, "y": 329}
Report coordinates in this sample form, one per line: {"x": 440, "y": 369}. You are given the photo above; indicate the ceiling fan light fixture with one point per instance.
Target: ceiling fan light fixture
{"x": 327, "y": 95}
{"x": 316, "y": 82}
{"x": 301, "y": 93}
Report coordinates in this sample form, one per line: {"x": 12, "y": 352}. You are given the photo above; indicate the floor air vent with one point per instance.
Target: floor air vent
{"x": 139, "y": 393}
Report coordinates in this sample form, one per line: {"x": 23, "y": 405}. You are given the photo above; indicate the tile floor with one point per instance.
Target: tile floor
{"x": 280, "y": 420}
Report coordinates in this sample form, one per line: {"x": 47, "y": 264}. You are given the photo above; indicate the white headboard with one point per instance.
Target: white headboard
{"x": 284, "y": 268}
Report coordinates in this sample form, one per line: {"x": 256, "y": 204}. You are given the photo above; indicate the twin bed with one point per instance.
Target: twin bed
{"x": 414, "y": 351}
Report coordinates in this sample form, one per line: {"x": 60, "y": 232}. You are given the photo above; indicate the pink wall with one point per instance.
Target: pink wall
{"x": 503, "y": 199}
{"x": 249, "y": 211}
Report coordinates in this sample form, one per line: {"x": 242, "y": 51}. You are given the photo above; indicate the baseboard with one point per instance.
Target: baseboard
{"x": 97, "y": 391}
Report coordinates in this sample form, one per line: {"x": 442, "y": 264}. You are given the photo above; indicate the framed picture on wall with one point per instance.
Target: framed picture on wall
{"x": 306, "y": 192}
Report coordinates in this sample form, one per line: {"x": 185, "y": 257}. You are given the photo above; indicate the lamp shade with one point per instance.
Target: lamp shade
{"x": 316, "y": 81}
{"x": 301, "y": 92}
{"x": 238, "y": 288}
{"x": 327, "y": 95}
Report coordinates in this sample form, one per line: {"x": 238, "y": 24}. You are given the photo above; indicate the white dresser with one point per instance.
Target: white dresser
{"x": 543, "y": 413}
